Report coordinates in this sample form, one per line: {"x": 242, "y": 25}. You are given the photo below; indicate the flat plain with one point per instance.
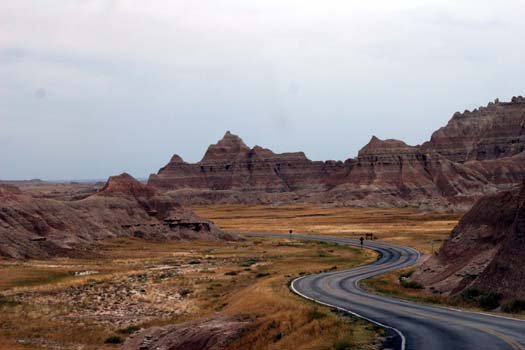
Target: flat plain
{"x": 131, "y": 284}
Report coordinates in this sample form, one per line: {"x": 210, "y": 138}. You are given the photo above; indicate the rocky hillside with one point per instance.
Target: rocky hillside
{"x": 38, "y": 227}
{"x": 231, "y": 165}
{"x": 477, "y": 153}
{"x": 491, "y": 132}
{"x": 212, "y": 333}
{"x": 485, "y": 251}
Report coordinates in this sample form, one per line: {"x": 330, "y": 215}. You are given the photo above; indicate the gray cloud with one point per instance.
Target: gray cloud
{"x": 93, "y": 88}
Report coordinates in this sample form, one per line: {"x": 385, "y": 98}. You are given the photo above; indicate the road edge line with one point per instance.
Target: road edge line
{"x": 401, "y": 335}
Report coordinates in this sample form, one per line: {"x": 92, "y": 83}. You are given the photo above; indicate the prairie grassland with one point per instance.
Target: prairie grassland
{"x": 406, "y": 226}
{"x": 79, "y": 303}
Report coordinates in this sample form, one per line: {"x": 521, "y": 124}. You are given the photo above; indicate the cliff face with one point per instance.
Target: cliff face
{"x": 477, "y": 153}
{"x": 231, "y": 165}
{"x": 491, "y": 132}
{"x": 392, "y": 168}
{"x": 486, "y": 250}
{"x": 37, "y": 227}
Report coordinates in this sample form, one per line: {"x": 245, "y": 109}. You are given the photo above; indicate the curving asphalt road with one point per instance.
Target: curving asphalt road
{"x": 416, "y": 326}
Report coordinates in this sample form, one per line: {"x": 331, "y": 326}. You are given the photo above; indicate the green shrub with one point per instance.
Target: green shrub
{"x": 249, "y": 262}
{"x": 489, "y": 301}
{"x": 470, "y": 294}
{"x": 485, "y": 300}
{"x": 410, "y": 284}
{"x": 316, "y": 314}
{"x": 5, "y": 301}
{"x": 273, "y": 324}
{"x": 343, "y": 345}
{"x": 231, "y": 273}
{"x": 406, "y": 274}
{"x": 114, "y": 340}
{"x": 262, "y": 274}
{"x": 185, "y": 292}
{"x": 514, "y": 306}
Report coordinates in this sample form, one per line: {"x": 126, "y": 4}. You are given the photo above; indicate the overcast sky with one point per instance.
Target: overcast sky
{"x": 91, "y": 88}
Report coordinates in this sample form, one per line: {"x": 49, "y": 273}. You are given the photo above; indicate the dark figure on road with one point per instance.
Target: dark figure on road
{"x": 361, "y": 239}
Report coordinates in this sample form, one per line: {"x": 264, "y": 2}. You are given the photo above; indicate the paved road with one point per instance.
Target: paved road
{"x": 416, "y": 326}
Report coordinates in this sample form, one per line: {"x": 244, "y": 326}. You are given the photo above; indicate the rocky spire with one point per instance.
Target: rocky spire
{"x": 229, "y": 148}
{"x": 377, "y": 146}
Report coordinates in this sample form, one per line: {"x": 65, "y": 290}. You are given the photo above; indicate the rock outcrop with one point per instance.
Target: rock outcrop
{"x": 477, "y": 153}
{"x": 485, "y": 251}
{"x": 231, "y": 165}
{"x": 213, "y": 333}
{"x": 38, "y": 227}
{"x": 491, "y": 132}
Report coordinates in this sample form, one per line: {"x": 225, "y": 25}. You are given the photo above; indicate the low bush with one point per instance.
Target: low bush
{"x": 514, "y": 306}
{"x": 489, "y": 301}
{"x": 343, "y": 345}
{"x": 114, "y": 340}
{"x": 249, "y": 262}
{"x": 406, "y": 274}
{"x": 185, "y": 292}
{"x": 410, "y": 284}
{"x": 5, "y": 301}
{"x": 485, "y": 300}
{"x": 273, "y": 324}
{"x": 470, "y": 294}
{"x": 315, "y": 314}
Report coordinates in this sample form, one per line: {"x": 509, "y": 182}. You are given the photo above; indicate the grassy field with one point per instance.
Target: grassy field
{"x": 79, "y": 304}
{"x": 406, "y": 226}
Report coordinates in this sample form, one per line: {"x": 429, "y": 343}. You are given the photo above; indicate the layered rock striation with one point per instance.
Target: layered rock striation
{"x": 478, "y": 152}
{"x": 37, "y": 227}
{"x": 232, "y": 165}
{"x": 485, "y": 251}
{"x": 491, "y": 132}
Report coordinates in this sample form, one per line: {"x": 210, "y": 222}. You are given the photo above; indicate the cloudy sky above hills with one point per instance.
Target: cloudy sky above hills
{"x": 90, "y": 88}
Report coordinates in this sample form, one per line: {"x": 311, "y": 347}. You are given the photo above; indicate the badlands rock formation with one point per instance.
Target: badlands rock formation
{"x": 213, "y": 333}
{"x": 37, "y": 227}
{"x": 232, "y": 165}
{"x": 491, "y": 132}
{"x": 478, "y": 152}
{"x": 485, "y": 251}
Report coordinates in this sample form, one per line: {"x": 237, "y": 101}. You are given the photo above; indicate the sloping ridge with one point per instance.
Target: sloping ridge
{"x": 36, "y": 228}
{"x": 486, "y": 250}
{"x": 478, "y": 152}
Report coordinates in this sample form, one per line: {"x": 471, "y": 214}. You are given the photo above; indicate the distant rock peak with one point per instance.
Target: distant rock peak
{"x": 228, "y": 148}
{"x": 176, "y": 159}
{"x": 378, "y": 146}
{"x": 125, "y": 184}
{"x": 476, "y": 152}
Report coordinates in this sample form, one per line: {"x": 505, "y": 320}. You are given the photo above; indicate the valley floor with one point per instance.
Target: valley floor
{"x": 81, "y": 304}
{"x": 132, "y": 284}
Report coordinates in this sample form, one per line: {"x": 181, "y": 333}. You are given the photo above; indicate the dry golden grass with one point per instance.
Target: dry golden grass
{"x": 257, "y": 287}
{"x": 247, "y": 277}
{"x": 405, "y": 226}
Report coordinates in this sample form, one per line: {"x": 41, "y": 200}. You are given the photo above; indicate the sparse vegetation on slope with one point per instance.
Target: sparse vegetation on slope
{"x": 136, "y": 284}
